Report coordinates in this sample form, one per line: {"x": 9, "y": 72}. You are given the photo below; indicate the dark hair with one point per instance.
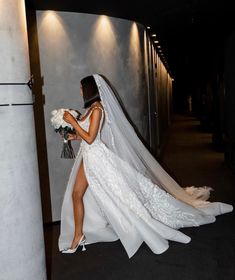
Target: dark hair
{"x": 90, "y": 91}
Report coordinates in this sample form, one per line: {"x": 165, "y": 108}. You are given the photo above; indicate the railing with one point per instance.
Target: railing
{"x": 29, "y": 84}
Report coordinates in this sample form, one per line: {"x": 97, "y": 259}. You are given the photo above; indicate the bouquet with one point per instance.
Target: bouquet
{"x": 64, "y": 129}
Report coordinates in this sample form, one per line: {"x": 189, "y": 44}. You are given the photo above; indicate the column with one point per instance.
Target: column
{"x": 22, "y": 251}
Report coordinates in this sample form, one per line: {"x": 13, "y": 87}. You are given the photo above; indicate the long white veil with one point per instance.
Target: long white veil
{"x": 120, "y": 137}
{"x": 104, "y": 222}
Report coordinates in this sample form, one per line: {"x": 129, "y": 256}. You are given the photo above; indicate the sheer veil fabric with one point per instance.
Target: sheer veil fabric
{"x": 105, "y": 220}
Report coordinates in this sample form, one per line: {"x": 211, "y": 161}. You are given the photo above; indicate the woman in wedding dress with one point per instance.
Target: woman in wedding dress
{"x": 117, "y": 189}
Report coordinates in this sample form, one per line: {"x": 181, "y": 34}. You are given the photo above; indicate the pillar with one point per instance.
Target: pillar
{"x": 22, "y": 251}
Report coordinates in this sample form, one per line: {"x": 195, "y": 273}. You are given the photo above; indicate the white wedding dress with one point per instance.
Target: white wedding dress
{"x": 123, "y": 203}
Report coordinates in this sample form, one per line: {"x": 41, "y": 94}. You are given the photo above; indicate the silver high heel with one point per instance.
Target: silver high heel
{"x": 81, "y": 242}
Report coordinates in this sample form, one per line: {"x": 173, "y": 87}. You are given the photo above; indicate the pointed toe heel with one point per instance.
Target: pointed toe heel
{"x": 80, "y": 243}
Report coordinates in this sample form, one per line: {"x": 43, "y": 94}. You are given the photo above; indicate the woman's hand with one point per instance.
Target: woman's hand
{"x": 72, "y": 136}
{"x": 69, "y": 118}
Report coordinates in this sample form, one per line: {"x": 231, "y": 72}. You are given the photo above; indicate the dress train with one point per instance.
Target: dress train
{"x": 122, "y": 203}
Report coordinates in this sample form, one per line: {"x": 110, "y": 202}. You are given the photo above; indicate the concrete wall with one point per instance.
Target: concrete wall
{"x": 74, "y": 45}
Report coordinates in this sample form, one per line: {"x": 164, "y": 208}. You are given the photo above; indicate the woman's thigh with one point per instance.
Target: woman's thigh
{"x": 81, "y": 183}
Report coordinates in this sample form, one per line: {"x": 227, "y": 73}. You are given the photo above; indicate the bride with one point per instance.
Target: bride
{"x": 117, "y": 189}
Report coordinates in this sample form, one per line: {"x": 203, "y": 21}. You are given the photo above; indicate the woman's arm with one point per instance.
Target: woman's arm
{"x": 95, "y": 118}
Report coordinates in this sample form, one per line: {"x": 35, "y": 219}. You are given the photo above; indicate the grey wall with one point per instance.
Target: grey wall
{"x": 73, "y": 45}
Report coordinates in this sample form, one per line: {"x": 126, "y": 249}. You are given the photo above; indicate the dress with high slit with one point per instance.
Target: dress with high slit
{"x": 122, "y": 203}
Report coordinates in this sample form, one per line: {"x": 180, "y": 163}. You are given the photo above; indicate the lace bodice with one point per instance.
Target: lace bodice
{"x": 85, "y": 125}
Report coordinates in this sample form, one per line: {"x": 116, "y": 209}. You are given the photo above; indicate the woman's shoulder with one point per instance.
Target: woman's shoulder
{"x": 96, "y": 104}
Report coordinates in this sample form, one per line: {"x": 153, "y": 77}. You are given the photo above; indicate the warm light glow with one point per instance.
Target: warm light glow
{"x": 135, "y": 58}
{"x": 56, "y": 39}
{"x": 104, "y": 25}
{"x": 154, "y": 35}
{"x": 104, "y": 41}
{"x": 23, "y": 23}
{"x": 53, "y": 28}
{"x": 52, "y": 21}
{"x": 156, "y": 41}
{"x": 13, "y": 40}
{"x": 103, "y": 33}
{"x": 148, "y": 27}
{"x": 134, "y": 48}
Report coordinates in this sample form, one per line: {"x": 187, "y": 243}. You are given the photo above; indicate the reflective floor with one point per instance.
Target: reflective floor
{"x": 189, "y": 158}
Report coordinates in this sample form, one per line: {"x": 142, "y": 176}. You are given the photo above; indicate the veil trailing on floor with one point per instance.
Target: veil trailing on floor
{"x": 120, "y": 137}
{"x": 124, "y": 200}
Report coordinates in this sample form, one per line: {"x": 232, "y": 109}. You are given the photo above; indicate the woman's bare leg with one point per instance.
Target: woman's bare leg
{"x": 80, "y": 187}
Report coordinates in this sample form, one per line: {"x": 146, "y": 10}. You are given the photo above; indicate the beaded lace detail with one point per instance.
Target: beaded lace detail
{"x": 109, "y": 174}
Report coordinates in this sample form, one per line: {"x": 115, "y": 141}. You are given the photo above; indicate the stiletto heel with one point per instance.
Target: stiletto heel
{"x": 81, "y": 242}
{"x": 83, "y": 245}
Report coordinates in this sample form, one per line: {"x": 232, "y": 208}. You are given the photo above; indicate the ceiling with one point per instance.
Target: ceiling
{"x": 189, "y": 31}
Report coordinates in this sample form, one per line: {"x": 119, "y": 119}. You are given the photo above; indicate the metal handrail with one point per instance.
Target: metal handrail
{"x": 29, "y": 83}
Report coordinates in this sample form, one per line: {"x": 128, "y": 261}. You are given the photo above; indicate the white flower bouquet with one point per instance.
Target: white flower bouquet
{"x": 64, "y": 129}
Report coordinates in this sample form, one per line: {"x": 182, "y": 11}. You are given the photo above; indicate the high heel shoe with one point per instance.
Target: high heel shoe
{"x": 81, "y": 242}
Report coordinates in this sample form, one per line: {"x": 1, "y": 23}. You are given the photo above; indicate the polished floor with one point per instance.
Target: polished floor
{"x": 190, "y": 158}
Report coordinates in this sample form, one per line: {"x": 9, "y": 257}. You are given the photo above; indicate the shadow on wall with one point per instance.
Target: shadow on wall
{"x": 39, "y": 115}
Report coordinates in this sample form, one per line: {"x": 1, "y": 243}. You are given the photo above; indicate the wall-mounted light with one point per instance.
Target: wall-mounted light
{"x": 148, "y": 27}
{"x": 156, "y": 41}
{"x": 154, "y": 35}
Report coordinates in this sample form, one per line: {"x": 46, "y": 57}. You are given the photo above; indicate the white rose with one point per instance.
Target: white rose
{"x": 57, "y": 118}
